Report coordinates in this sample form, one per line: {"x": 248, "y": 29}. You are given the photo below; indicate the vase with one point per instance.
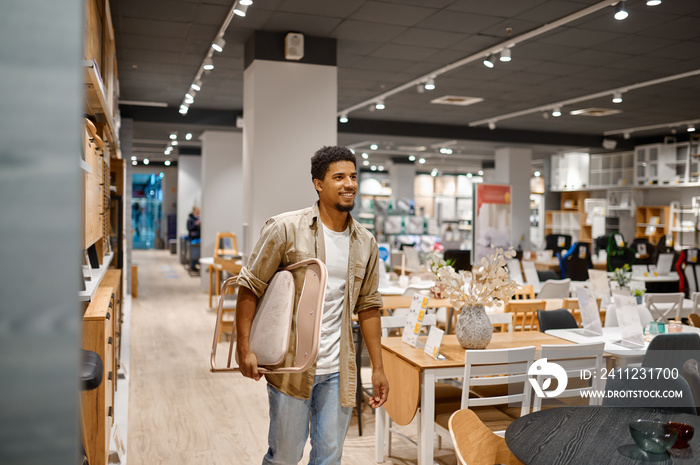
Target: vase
{"x": 473, "y": 328}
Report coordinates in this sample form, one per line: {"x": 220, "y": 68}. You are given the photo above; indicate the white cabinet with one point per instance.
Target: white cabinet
{"x": 654, "y": 164}
{"x": 611, "y": 170}
{"x": 570, "y": 172}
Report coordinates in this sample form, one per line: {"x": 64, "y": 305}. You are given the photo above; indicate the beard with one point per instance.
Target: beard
{"x": 345, "y": 208}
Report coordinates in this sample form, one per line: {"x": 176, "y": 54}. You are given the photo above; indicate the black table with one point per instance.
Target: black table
{"x": 590, "y": 435}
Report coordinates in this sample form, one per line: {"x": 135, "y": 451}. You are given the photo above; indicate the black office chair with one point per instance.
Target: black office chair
{"x": 601, "y": 243}
{"x": 644, "y": 251}
{"x": 683, "y": 404}
{"x": 672, "y": 350}
{"x": 577, "y": 261}
{"x": 664, "y": 247}
{"x": 689, "y": 271}
{"x": 462, "y": 259}
{"x": 691, "y": 373}
{"x": 619, "y": 254}
{"x": 557, "y": 242}
{"x": 91, "y": 372}
{"x": 556, "y": 319}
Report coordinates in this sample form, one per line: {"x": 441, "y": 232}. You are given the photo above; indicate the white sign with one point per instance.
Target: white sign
{"x": 590, "y": 316}
{"x": 628, "y": 320}
{"x": 432, "y": 345}
{"x": 601, "y": 286}
{"x": 415, "y": 319}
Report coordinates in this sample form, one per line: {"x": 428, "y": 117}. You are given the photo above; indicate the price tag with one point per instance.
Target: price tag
{"x": 432, "y": 345}
{"x": 414, "y": 320}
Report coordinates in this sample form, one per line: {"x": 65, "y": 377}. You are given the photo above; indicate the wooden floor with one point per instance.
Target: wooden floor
{"x": 182, "y": 414}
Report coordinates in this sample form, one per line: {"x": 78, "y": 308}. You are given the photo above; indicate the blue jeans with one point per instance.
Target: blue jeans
{"x": 290, "y": 419}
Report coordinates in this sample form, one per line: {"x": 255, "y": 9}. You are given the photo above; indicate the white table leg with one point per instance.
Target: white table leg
{"x": 379, "y": 425}
{"x": 426, "y": 425}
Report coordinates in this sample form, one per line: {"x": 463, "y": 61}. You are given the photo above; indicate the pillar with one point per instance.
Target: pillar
{"x": 513, "y": 168}
{"x": 289, "y": 112}
{"x": 189, "y": 190}
{"x": 402, "y": 175}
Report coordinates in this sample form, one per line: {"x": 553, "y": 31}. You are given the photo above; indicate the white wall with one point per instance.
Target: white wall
{"x": 189, "y": 190}
{"x": 222, "y": 186}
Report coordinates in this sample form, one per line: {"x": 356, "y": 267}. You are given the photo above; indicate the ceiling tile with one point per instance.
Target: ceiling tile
{"x": 332, "y": 8}
{"x": 453, "y": 21}
{"x": 681, "y": 29}
{"x": 404, "y": 52}
{"x": 593, "y": 58}
{"x": 362, "y": 30}
{"x": 306, "y": 24}
{"x": 573, "y": 37}
{"x": 428, "y": 38}
{"x": 505, "y": 8}
{"x": 392, "y": 13}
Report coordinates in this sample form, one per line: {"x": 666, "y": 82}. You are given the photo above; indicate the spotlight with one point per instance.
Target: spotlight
{"x": 173, "y": 143}
{"x": 189, "y": 98}
{"x": 219, "y": 44}
{"x": 421, "y": 161}
{"x": 556, "y": 112}
{"x": 240, "y": 9}
{"x": 411, "y": 158}
{"x": 430, "y": 84}
{"x": 134, "y": 162}
{"x": 373, "y": 167}
{"x": 208, "y": 64}
{"x": 489, "y": 61}
{"x": 691, "y": 128}
{"x": 184, "y": 109}
{"x": 197, "y": 85}
{"x": 380, "y": 105}
{"x": 133, "y": 157}
{"x": 173, "y": 136}
{"x": 617, "y": 97}
{"x": 380, "y": 168}
{"x": 167, "y": 163}
{"x": 505, "y": 54}
{"x": 492, "y": 125}
{"x": 480, "y": 173}
{"x": 245, "y": 2}
{"x": 343, "y": 118}
{"x": 365, "y": 155}
{"x": 653, "y": 2}
{"x": 145, "y": 161}
{"x": 374, "y": 146}
{"x": 537, "y": 174}
{"x": 434, "y": 172}
{"x": 188, "y": 136}
{"x": 626, "y": 135}
{"x": 365, "y": 162}
{"x": 469, "y": 175}
{"x": 621, "y": 11}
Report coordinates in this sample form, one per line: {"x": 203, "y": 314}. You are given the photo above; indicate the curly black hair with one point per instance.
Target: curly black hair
{"x": 327, "y": 155}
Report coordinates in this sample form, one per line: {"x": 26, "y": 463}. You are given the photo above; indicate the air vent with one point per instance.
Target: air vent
{"x": 595, "y": 112}
{"x": 456, "y": 100}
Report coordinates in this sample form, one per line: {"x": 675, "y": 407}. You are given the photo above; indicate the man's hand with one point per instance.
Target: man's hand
{"x": 381, "y": 389}
{"x": 248, "y": 363}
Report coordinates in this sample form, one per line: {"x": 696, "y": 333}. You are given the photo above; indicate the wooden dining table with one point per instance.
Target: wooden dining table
{"x": 412, "y": 375}
{"x": 592, "y": 435}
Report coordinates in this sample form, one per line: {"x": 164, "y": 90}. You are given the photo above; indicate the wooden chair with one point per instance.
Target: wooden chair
{"x": 525, "y": 314}
{"x": 225, "y": 245}
{"x": 694, "y": 319}
{"x": 527, "y": 292}
{"x": 573, "y": 307}
{"x": 475, "y": 443}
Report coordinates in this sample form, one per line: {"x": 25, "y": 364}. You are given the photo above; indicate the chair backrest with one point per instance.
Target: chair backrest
{"x": 663, "y": 312}
{"x": 527, "y": 292}
{"x": 466, "y": 430}
{"x": 225, "y": 245}
{"x": 399, "y": 322}
{"x": 574, "y": 358}
{"x": 525, "y": 313}
{"x": 577, "y": 262}
{"x": 555, "y": 289}
{"x": 691, "y": 373}
{"x": 689, "y": 267}
{"x": 557, "y": 242}
{"x": 515, "y": 273}
{"x": 531, "y": 276}
{"x": 555, "y": 319}
{"x": 644, "y": 251}
{"x": 618, "y": 253}
{"x": 672, "y": 350}
{"x": 498, "y": 367}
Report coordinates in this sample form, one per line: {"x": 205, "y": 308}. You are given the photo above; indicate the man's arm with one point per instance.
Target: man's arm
{"x": 371, "y": 327}
{"x": 245, "y": 312}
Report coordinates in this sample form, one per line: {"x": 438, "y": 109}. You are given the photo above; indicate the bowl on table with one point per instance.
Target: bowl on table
{"x": 685, "y": 434}
{"x": 654, "y": 437}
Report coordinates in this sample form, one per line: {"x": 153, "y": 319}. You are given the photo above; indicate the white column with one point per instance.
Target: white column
{"x": 513, "y": 167}
{"x": 222, "y": 186}
{"x": 189, "y": 190}
{"x": 289, "y": 112}
{"x": 402, "y": 177}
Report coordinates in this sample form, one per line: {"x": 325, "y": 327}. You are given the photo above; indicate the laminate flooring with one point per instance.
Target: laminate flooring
{"x": 179, "y": 413}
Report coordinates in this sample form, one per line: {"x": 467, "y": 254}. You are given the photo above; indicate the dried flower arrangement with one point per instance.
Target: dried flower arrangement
{"x": 481, "y": 286}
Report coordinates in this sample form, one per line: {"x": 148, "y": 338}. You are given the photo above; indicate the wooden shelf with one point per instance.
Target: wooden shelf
{"x": 96, "y": 101}
{"x": 97, "y": 275}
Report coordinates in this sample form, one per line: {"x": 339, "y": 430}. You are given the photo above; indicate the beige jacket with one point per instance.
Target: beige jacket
{"x": 290, "y": 237}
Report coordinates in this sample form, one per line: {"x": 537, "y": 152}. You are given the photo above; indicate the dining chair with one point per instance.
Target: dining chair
{"x": 671, "y": 350}
{"x": 577, "y": 261}
{"x": 560, "y": 318}
{"x": 525, "y": 293}
{"x": 573, "y": 306}
{"x": 525, "y": 313}
{"x": 467, "y": 430}
{"x": 611, "y": 316}
{"x": 492, "y": 378}
{"x": 652, "y": 302}
{"x": 555, "y": 289}
{"x": 394, "y": 322}
{"x": 691, "y": 373}
{"x": 574, "y": 358}
{"x": 679, "y": 404}
{"x": 531, "y": 276}
{"x": 694, "y": 320}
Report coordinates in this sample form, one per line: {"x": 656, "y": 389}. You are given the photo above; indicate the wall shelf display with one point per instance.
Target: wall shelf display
{"x": 654, "y": 164}
{"x": 687, "y": 162}
{"x": 570, "y": 219}
{"x": 570, "y": 172}
{"x": 652, "y": 222}
{"x": 683, "y": 223}
{"x": 611, "y": 170}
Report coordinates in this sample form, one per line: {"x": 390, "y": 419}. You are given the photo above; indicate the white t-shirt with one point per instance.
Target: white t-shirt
{"x": 337, "y": 251}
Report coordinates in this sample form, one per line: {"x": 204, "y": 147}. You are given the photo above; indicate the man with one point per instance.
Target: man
{"x": 323, "y": 396}
{"x": 193, "y": 235}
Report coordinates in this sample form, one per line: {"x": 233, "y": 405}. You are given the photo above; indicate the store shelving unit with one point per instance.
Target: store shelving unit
{"x": 652, "y": 222}
{"x": 611, "y": 170}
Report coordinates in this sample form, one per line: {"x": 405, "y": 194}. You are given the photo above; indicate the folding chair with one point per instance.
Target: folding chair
{"x": 664, "y": 312}
{"x": 274, "y": 311}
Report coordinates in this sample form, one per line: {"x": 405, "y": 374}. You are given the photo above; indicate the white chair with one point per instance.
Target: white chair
{"x": 531, "y": 276}
{"x": 399, "y": 322}
{"x": 664, "y": 312}
{"x": 514, "y": 271}
{"x": 497, "y": 377}
{"x": 611, "y": 315}
{"x": 555, "y": 289}
{"x": 574, "y": 358}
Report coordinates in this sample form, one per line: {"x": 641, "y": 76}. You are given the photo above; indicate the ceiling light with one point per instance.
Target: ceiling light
{"x": 617, "y": 97}
{"x": 373, "y": 168}
{"x": 556, "y": 112}
{"x": 167, "y": 163}
{"x": 490, "y": 61}
{"x": 208, "y": 64}
{"x": 145, "y": 161}
{"x": 197, "y": 85}
{"x": 691, "y": 128}
{"x": 380, "y": 105}
{"x": 469, "y": 175}
{"x": 188, "y": 136}
{"x": 480, "y": 173}
{"x": 626, "y": 135}
{"x": 421, "y": 160}
{"x": 166, "y": 152}
{"x": 174, "y": 142}
{"x": 365, "y": 163}
{"x": 365, "y": 155}
{"x": 189, "y": 98}
{"x": 219, "y": 44}
{"x": 343, "y": 118}
{"x": 653, "y": 2}
{"x": 184, "y": 109}
{"x": 430, "y": 84}
{"x": 537, "y": 174}
{"x": 505, "y": 54}
{"x": 245, "y": 2}
{"x": 173, "y": 136}
{"x": 621, "y": 11}
{"x": 492, "y": 125}
{"x": 411, "y": 158}
{"x": 133, "y": 157}
{"x": 240, "y": 9}
{"x": 374, "y": 146}
{"x": 434, "y": 172}
{"x": 380, "y": 168}
{"x": 134, "y": 162}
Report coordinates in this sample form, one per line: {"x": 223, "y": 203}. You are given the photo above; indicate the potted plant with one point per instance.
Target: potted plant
{"x": 623, "y": 275}
{"x": 638, "y": 294}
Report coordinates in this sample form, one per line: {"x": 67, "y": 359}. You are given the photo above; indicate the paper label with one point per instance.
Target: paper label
{"x": 590, "y": 316}
{"x": 631, "y": 329}
{"x": 414, "y": 320}
{"x": 432, "y": 345}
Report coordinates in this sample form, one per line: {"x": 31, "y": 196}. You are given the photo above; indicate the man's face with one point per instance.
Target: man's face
{"x": 339, "y": 187}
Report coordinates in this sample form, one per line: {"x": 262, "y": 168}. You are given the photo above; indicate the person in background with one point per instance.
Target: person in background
{"x": 320, "y": 399}
{"x": 193, "y": 236}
